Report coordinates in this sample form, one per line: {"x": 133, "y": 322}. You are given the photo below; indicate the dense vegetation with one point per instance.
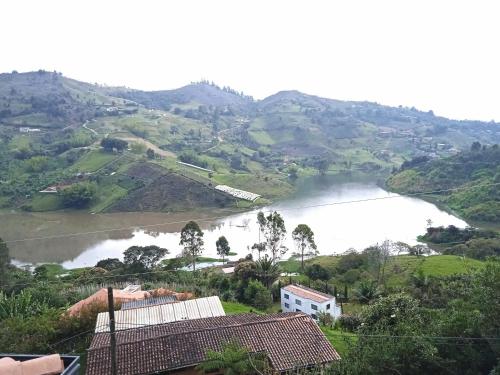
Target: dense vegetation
{"x": 402, "y": 313}
{"x": 473, "y": 176}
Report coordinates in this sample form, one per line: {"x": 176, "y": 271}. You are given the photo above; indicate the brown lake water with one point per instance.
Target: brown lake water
{"x": 48, "y": 237}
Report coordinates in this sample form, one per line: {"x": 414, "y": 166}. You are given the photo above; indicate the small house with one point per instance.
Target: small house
{"x": 299, "y": 298}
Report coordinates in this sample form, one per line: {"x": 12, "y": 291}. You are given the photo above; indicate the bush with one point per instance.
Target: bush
{"x": 348, "y": 322}
{"x": 79, "y": 195}
{"x": 257, "y": 295}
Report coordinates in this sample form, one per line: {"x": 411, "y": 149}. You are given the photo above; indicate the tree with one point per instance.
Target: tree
{"x": 110, "y": 144}
{"x": 366, "y": 291}
{"x": 304, "y": 239}
{"x": 143, "y": 258}
{"x": 4, "y": 262}
{"x": 475, "y": 147}
{"x": 258, "y": 295}
{"x": 109, "y": 264}
{"x": 192, "y": 241}
{"x": 150, "y": 153}
{"x": 222, "y": 246}
{"x": 273, "y": 228}
{"x": 267, "y": 271}
{"x": 79, "y": 195}
{"x": 234, "y": 359}
{"x": 317, "y": 272}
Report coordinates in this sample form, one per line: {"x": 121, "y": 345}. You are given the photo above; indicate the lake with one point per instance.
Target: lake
{"x": 338, "y": 223}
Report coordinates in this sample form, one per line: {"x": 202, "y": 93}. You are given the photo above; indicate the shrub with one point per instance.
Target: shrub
{"x": 348, "y": 322}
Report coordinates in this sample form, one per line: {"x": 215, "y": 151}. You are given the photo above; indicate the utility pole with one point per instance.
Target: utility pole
{"x": 112, "y": 337}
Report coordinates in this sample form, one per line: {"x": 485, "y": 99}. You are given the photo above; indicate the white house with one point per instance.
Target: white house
{"x": 299, "y": 298}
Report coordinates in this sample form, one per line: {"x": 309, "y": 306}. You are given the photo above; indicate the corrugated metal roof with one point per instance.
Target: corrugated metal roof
{"x": 148, "y": 302}
{"x": 159, "y": 314}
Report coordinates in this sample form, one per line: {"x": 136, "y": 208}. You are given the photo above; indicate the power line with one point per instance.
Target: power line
{"x": 400, "y": 195}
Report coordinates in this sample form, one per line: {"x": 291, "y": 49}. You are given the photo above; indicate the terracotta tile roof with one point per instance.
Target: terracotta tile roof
{"x": 308, "y": 293}
{"x": 289, "y": 339}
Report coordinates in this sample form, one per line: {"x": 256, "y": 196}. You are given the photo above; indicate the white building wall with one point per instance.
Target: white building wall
{"x": 294, "y": 303}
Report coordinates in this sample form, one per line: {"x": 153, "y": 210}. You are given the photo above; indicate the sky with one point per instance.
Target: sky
{"x": 440, "y": 55}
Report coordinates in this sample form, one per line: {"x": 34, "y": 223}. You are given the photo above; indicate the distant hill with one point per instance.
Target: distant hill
{"x": 202, "y": 93}
{"x": 476, "y": 171}
{"x": 51, "y": 127}
{"x": 47, "y": 99}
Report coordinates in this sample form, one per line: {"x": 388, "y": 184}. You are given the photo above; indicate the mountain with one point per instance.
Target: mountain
{"x": 51, "y": 127}
{"x": 473, "y": 175}
{"x": 49, "y": 100}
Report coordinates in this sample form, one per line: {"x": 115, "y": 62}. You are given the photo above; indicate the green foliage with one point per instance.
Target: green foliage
{"x": 20, "y": 305}
{"x": 258, "y": 295}
{"x": 234, "y": 359}
{"x": 4, "y": 262}
{"x": 317, "y": 272}
{"x": 223, "y": 248}
{"x": 142, "y": 258}
{"x": 273, "y": 228}
{"x": 79, "y": 195}
{"x": 110, "y": 144}
{"x": 267, "y": 271}
{"x": 192, "y": 241}
{"x": 303, "y": 237}
{"x": 474, "y": 171}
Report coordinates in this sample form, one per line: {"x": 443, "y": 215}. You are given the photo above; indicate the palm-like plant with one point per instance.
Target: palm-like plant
{"x": 366, "y": 291}
{"x": 267, "y": 271}
{"x": 234, "y": 359}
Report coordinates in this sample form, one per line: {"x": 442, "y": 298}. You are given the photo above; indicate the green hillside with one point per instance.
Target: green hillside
{"x": 476, "y": 174}
{"x": 51, "y": 128}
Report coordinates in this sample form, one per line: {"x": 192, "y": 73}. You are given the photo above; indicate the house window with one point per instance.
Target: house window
{"x": 314, "y": 307}
{"x": 314, "y": 316}
{"x": 298, "y": 310}
{"x": 287, "y": 305}
{"x": 287, "y": 296}
{"x": 298, "y": 302}
{"x": 328, "y": 307}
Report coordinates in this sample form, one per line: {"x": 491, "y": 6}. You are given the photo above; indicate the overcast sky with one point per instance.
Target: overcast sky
{"x": 440, "y": 55}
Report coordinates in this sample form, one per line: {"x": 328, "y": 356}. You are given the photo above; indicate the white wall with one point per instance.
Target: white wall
{"x": 305, "y": 305}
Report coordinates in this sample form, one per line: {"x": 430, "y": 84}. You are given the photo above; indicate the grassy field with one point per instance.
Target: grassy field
{"x": 94, "y": 160}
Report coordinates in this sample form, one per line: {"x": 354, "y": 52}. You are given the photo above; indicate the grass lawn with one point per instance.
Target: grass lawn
{"x": 340, "y": 340}
{"x": 232, "y": 308}
{"x": 445, "y": 265}
{"x": 93, "y": 161}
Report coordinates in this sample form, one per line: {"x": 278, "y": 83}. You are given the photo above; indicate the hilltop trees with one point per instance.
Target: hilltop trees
{"x": 110, "y": 144}
{"x": 192, "y": 241}
{"x": 222, "y": 246}
{"x": 304, "y": 239}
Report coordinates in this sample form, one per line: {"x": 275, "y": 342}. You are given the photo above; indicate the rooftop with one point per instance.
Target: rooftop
{"x": 308, "y": 293}
{"x": 290, "y": 340}
{"x": 160, "y": 314}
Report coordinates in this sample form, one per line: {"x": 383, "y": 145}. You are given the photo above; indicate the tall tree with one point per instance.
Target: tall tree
{"x": 304, "y": 239}
{"x": 273, "y": 228}
{"x": 222, "y": 246}
{"x": 4, "y": 262}
{"x": 192, "y": 241}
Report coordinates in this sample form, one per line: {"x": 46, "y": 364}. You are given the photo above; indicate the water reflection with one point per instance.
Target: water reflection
{"x": 337, "y": 227}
